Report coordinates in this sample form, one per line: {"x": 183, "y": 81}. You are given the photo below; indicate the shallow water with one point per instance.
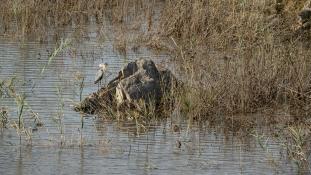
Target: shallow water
{"x": 110, "y": 147}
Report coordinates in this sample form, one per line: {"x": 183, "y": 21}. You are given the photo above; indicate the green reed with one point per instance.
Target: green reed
{"x": 62, "y": 46}
{"x": 58, "y": 119}
{"x": 20, "y": 101}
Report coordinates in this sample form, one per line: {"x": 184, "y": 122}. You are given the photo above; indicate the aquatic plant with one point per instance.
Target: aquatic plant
{"x": 1, "y": 88}
{"x": 20, "y": 101}
{"x": 7, "y": 87}
{"x": 36, "y": 119}
{"x": 81, "y": 88}
{"x": 81, "y": 115}
{"x": 3, "y": 117}
{"x": 63, "y": 45}
{"x": 58, "y": 118}
{"x": 262, "y": 140}
{"x": 294, "y": 139}
{"x": 79, "y": 80}
{"x": 298, "y": 146}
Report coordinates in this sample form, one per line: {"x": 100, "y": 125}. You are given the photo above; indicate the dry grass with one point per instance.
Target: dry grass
{"x": 244, "y": 57}
{"x": 237, "y": 56}
{"x": 24, "y": 18}
{"x": 240, "y": 56}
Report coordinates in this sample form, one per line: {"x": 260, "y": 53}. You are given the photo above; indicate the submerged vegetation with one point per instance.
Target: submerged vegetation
{"x": 234, "y": 57}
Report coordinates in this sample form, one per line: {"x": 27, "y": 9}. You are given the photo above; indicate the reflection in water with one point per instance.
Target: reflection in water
{"x": 19, "y": 168}
{"x": 112, "y": 149}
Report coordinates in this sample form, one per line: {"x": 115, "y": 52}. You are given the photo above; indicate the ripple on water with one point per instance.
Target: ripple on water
{"x": 109, "y": 147}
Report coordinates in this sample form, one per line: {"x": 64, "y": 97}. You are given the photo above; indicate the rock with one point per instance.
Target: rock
{"x": 138, "y": 86}
{"x": 138, "y": 81}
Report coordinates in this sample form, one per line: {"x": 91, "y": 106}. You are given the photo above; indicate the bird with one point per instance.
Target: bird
{"x": 100, "y": 73}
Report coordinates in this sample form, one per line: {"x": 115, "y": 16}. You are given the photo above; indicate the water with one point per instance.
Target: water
{"x": 110, "y": 147}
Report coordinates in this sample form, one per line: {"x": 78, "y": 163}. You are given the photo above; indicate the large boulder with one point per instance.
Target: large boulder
{"x": 138, "y": 81}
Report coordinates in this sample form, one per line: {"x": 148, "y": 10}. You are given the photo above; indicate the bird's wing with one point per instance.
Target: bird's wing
{"x": 99, "y": 76}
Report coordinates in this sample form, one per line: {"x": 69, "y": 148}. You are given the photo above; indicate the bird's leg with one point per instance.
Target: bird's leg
{"x": 105, "y": 80}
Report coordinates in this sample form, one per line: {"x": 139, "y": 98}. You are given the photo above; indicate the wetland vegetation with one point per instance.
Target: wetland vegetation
{"x": 245, "y": 68}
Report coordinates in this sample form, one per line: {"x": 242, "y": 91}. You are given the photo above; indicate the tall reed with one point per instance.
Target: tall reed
{"x": 62, "y": 46}
{"x": 239, "y": 56}
{"x": 59, "y": 118}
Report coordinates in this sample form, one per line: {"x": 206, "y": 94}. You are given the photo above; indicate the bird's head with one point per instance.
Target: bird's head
{"x": 103, "y": 65}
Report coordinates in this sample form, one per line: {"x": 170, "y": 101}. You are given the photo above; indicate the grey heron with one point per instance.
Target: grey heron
{"x": 100, "y": 73}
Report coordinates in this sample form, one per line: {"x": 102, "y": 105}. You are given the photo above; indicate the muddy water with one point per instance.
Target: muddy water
{"x": 103, "y": 146}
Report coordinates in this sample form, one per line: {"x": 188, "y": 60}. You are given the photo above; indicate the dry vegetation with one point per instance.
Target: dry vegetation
{"x": 23, "y": 18}
{"x": 237, "y": 56}
{"x": 241, "y": 56}
{"x": 244, "y": 57}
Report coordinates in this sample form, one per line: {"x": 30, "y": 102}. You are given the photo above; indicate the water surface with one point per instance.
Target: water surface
{"x": 103, "y": 146}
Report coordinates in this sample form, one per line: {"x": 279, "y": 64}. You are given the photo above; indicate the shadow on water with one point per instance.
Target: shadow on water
{"x": 61, "y": 146}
